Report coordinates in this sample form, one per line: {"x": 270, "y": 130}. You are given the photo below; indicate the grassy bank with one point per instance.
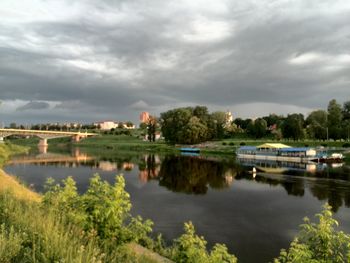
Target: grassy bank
{"x": 33, "y": 232}
{"x": 9, "y": 183}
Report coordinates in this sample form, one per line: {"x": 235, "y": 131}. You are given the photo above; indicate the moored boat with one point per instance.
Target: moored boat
{"x": 282, "y": 152}
{"x": 190, "y": 150}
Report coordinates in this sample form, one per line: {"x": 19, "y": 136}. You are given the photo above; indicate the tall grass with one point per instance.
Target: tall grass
{"x": 29, "y": 233}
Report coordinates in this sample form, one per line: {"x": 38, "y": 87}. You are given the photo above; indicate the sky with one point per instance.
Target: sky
{"x": 87, "y": 60}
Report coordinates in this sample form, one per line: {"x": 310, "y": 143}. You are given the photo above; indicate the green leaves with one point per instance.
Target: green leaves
{"x": 191, "y": 248}
{"x": 103, "y": 210}
{"x": 318, "y": 242}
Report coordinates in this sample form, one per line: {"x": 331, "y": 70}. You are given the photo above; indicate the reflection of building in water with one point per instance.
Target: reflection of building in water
{"x": 107, "y": 166}
{"x": 150, "y": 168}
{"x": 113, "y": 166}
{"x": 128, "y": 166}
{"x": 229, "y": 176}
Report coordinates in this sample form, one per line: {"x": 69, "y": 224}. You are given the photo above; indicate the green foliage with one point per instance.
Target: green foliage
{"x": 292, "y": 127}
{"x": 30, "y": 233}
{"x": 317, "y": 125}
{"x": 194, "y": 131}
{"x": 10, "y": 243}
{"x": 335, "y": 117}
{"x": 318, "y": 242}
{"x": 194, "y": 125}
{"x": 191, "y": 248}
{"x": 103, "y": 210}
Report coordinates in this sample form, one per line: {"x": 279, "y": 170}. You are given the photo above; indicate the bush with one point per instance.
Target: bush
{"x": 192, "y": 248}
{"x": 346, "y": 145}
{"x": 224, "y": 143}
{"x": 318, "y": 242}
{"x": 231, "y": 143}
{"x": 103, "y": 209}
{"x": 324, "y": 144}
{"x": 242, "y": 143}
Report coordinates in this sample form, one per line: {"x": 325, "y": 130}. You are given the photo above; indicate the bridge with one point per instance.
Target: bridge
{"x": 45, "y": 135}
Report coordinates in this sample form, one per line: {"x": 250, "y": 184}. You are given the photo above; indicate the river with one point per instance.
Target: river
{"x": 255, "y": 216}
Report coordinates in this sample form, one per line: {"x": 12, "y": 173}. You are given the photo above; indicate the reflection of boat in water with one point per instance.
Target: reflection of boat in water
{"x": 284, "y": 153}
{"x": 190, "y": 150}
{"x": 268, "y": 166}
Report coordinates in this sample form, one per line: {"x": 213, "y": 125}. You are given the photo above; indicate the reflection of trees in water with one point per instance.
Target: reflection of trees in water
{"x": 334, "y": 192}
{"x": 292, "y": 187}
{"x": 193, "y": 175}
{"x": 329, "y": 188}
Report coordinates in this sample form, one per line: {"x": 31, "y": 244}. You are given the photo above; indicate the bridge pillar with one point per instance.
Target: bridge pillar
{"x": 1, "y": 139}
{"x": 43, "y": 142}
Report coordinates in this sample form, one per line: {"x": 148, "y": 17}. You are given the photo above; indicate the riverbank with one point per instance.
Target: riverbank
{"x": 227, "y": 147}
{"x": 33, "y": 233}
{"x": 10, "y": 183}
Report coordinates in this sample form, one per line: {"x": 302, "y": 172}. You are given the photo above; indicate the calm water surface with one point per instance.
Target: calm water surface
{"x": 254, "y": 216}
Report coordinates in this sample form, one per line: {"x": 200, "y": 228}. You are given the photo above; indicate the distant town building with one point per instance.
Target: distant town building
{"x": 106, "y": 125}
{"x": 144, "y": 116}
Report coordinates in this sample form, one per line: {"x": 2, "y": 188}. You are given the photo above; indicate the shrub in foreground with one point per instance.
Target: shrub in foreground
{"x": 318, "y": 242}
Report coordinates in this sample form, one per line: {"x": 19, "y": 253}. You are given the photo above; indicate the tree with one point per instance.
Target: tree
{"x": 260, "y": 128}
{"x": 13, "y": 125}
{"x": 335, "y": 117}
{"x": 242, "y": 123}
{"x": 194, "y": 131}
{"x": 129, "y": 124}
{"x": 273, "y": 119}
{"x": 317, "y": 124}
{"x": 250, "y": 128}
{"x": 292, "y": 127}
{"x": 346, "y": 110}
{"x": 217, "y": 125}
{"x": 173, "y": 122}
{"x": 152, "y": 128}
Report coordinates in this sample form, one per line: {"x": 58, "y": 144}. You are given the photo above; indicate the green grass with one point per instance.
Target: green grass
{"x": 8, "y": 149}
{"x": 29, "y": 233}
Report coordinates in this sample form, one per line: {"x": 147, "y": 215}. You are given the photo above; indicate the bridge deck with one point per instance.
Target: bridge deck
{"x": 60, "y": 133}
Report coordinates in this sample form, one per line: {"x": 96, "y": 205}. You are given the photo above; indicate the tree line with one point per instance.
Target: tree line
{"x": 195, "y": 124}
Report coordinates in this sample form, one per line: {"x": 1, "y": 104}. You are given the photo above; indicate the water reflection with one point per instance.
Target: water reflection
{"x": 149, "y": 167}
{"x": 259, "y": 214}
{"x": 194, "y": 175}
{"x": 48, "y": 158}
{"x": 325, "y": 188}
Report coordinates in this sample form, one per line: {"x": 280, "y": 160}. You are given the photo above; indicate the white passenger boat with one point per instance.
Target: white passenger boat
{"x": 282, "y": 152}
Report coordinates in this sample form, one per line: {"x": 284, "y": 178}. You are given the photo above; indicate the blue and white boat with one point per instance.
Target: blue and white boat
{"x": 282, "y": 152}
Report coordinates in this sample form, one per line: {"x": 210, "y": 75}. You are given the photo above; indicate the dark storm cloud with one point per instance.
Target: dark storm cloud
{"x": 110, "y": 59}
{"x": 34, "y": 105}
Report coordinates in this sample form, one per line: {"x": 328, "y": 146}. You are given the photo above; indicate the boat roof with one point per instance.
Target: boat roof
{"x": 273, "y": 146}
{"x": 247, "y": 148}
{"x": 296, "y": 149}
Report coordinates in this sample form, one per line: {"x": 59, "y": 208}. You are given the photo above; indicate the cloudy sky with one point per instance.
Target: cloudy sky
{"x": 86, "y": 60}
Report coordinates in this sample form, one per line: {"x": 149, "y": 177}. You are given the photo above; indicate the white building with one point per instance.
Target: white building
{"x": 106, "y": 125}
